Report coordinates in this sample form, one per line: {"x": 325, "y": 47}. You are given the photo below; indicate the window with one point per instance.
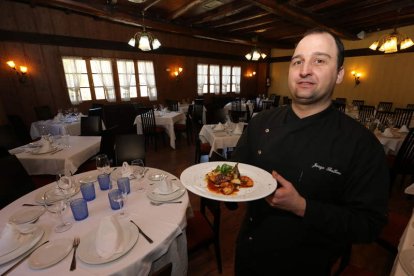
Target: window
{"x": 127, "y": 81}
{"x": 146, "y": 76}
{"x": 208, "y": 79}
{"x": 103, "y": 79}
{"x": 76, "y": 76}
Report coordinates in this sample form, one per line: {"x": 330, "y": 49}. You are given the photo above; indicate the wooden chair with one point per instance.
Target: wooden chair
{"x": 366, "y": 112}
{"x": 15, "y": 181}
{"x": 172, "y": 105}
{"x": 150, "y": 130}
{"x": 404, "y": 160}
{"x": 186, "y": 128}
{"x": 43, "y": 112}
{"x": 410, "y": 106}
{"x": 95, "y": 112}
{"x": 201, "y": 148}
{"x": 382, "y": 116}
{"x": 275, "y": 99}
{"x": 266, "y": 104}
{"x": 340, "y": 100}
{"x": 91, "y": 126}
{"x": 286, "y": 100}
{"x": 358, "y": 103}
{"x": 384, "y": 106}
{"x": 402, "y": 116}
{"x": 129, "y": 147}
{"x": 20, "y": 128}
{"x": 9, "y": 138}
{"x": 203, "y": 228}
{"x": 339, "y": 105}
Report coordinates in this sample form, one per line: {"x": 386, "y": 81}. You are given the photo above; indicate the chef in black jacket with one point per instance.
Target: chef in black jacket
{"x": 331, "y": 173}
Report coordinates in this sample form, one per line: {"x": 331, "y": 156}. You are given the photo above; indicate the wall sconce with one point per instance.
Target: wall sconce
{"x": 356, "y": 75}
{"x": 178, "y": 72}
{"x": 21, "y": 74}
{"x": 251, "y": 74}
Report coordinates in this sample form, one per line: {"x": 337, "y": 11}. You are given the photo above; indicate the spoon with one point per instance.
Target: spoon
{"x": 166, "y": 202}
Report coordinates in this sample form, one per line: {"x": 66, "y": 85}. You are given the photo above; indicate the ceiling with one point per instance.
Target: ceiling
{"x": 268, "y": 23}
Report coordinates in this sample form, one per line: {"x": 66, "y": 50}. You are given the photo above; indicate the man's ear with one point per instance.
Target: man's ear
{"x": 340, "y": 75}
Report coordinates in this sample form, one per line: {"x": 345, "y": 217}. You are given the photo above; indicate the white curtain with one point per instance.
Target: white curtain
{"x": 202, "y": 81}
{"x": 104, "y": 70}
{"x": 146, "y": 68}
{"x": 127, "y": 69}
{"x": 73, "y": 81}
{"x": 215, "y": 78}
{"x": 236, "y": 79}
{"x": 225, "y": 79}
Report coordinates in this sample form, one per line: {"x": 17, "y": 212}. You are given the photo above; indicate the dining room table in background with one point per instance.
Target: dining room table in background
{"x": 57, "y": 126}
{"x": 391, "y": 144}
{"x": 221, "y": 139}
{"x": 65, "y": 159}
{"x": 165, "y": 224}
{"x": 165, "y": 120}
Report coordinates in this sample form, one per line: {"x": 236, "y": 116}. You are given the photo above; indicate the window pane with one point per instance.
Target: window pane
{"x": 103, "y": 79}
{"x": 126, "y": 76}
{"x": 76, "y": 79}
{"x": 146, "y": 77}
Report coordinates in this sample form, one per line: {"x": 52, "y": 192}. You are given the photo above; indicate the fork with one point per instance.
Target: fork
{"x": 76, "y": 242}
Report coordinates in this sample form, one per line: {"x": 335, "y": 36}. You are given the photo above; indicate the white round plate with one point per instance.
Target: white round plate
{"x": 51, "y": 150}
{"x": 27, "y": 214}
{"x": 16, "y": 151}
{"x": 88, "y": 179}
{"x": 118, "y": 174}
{"x": 39, "y": 196}
{"x": 50, "y": 253}
{"x": 193, "y": 178}
{"x": 27, "y": 242}
{"x": 153, "y": 195}
{"x": 87, "y": 251}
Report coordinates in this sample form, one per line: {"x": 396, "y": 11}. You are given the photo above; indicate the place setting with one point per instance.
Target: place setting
{"x": 164, "y": 190}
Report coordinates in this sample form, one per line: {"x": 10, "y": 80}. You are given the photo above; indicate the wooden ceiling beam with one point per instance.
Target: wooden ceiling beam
{"x": 184, "y": 9}
{"x": 246, "y": 20}
{"x": 298, "y": 16}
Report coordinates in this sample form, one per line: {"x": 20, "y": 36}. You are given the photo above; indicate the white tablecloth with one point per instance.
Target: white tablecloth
{"x": 65, "y": 161}
{"x": 164, "y": 224}
{"x": 166, "y": 120}
{"x": 218, "y": 139}
{"x": 391, "y": 144}
{"x": 55, "y": 128}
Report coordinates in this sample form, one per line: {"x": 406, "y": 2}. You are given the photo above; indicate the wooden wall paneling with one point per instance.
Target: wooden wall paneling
{"x": 7, "y": 16}
{"x": 25, "y": 17}
{"x": 8, "y": 84}
{"x": 61, "y": 22}
{"x": 43, "y": 21}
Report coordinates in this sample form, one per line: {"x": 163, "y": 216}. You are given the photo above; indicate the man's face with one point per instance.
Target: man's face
{"x": 313, "y": 70}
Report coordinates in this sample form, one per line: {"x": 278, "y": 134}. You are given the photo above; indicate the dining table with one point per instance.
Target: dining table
{"x": 66, "y": 125}
{"x": 165, "y": 120}
{"x": 65, "y": 157}
{"x": 391, "y": 144}
{"x": 164, "y": 224}
{"x": 219, "y": 139}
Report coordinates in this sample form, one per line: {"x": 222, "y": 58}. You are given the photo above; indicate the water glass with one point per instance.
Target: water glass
{"x": 116, "y": 199}
{"x": 88, "y": 191}
{"x": 79, "y": 208}
{"x": 65, "y": 140}
{"x": 104, "y": 181}
{"x": 56, "y": 205}
{"x": 124, "y": 184}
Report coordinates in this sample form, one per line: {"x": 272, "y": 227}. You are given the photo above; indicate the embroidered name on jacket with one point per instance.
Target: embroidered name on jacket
{"x": 328, "y": 169}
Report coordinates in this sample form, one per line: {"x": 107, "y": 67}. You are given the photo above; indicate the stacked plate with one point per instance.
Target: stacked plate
{"x": 155, "y": 194}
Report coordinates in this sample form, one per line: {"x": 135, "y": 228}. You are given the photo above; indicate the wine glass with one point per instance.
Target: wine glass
{"x": 56, "y": 203}
{"x": 102, "y": 163}
{"x": 139, "y": 171}
{"x": 65, "y": 185}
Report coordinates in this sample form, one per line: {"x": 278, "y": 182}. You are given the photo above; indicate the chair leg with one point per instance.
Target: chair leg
{"x": 218, "y": 256}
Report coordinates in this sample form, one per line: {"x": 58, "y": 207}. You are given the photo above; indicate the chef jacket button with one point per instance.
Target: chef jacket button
{"x": 259, "y": 152}
{"x": 250, "y": 219}
{"x": 250, "y": 238}
{"x": 267, "y": 130}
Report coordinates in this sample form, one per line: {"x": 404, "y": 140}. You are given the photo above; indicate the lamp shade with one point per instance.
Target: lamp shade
{"x": 156, "y": 44}
{"x": 144, "y": 43}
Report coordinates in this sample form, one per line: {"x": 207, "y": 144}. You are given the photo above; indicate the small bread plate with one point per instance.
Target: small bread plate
{"x": 115, "y": 174}
{"x": 50, "y": 253}
{"x": 38, "y": 152}
{"x": 159, "y": 197}
{"x": 27, "y": 214}
{"x": 156, "y": 176}
{"x": 88, "y": 179}
{"x": 58, "y": 195}
{"x": 194, "y": 179}
{"x": 87, "y": 250}
{"x": 27, "y": 242}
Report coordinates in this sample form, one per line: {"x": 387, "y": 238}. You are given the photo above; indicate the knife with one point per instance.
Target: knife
{"x": 142, "y": 233}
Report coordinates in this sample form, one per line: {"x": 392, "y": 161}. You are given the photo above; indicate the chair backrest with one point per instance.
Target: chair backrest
{"x": 339, "y": 105}
{"x": 172, "y": 105}
{"x": 236, "y": 105}
{"x": 404, "y": 161}
{"x": 216, "y": 115}
{"x": 148, "y": 121}
{"x": 358, "y": 102}
{"x": 9, "y": 138}
{"x": 276, "y": 100}
{"x": 43, "y": 112}
{"x": 402, "y": 116}
{"x": 15, "y": 181}
{"x": 382, "y": 116}
{"x": 366, "y": 112}
{"x": 20, "y": 128}
{"x": 108, "y": 143}
{"x": 286, "y": 100}
{"x": 410, "y": 106}
{"x": 98, "y": 111}
{"x": 384, "y": 106}
{"x": 266, "y": 104}
{"x": 91, "y": 126}
{"x": 129, "y": 147}
{"x": 340, "y": 100}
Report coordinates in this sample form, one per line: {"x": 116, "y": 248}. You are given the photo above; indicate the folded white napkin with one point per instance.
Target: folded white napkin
{"x": 165, "y": 191}
{"x": 109, "y": 238}
{"x": 387, "y": 133}
{"x": 46, "y": 145}
{"x": 238, "y": 129}
{"x": 404, "y": 129}
{"x": 219, "y": 126}
{"x": 126, "y": 170}
{"x": 9, "y": 239}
